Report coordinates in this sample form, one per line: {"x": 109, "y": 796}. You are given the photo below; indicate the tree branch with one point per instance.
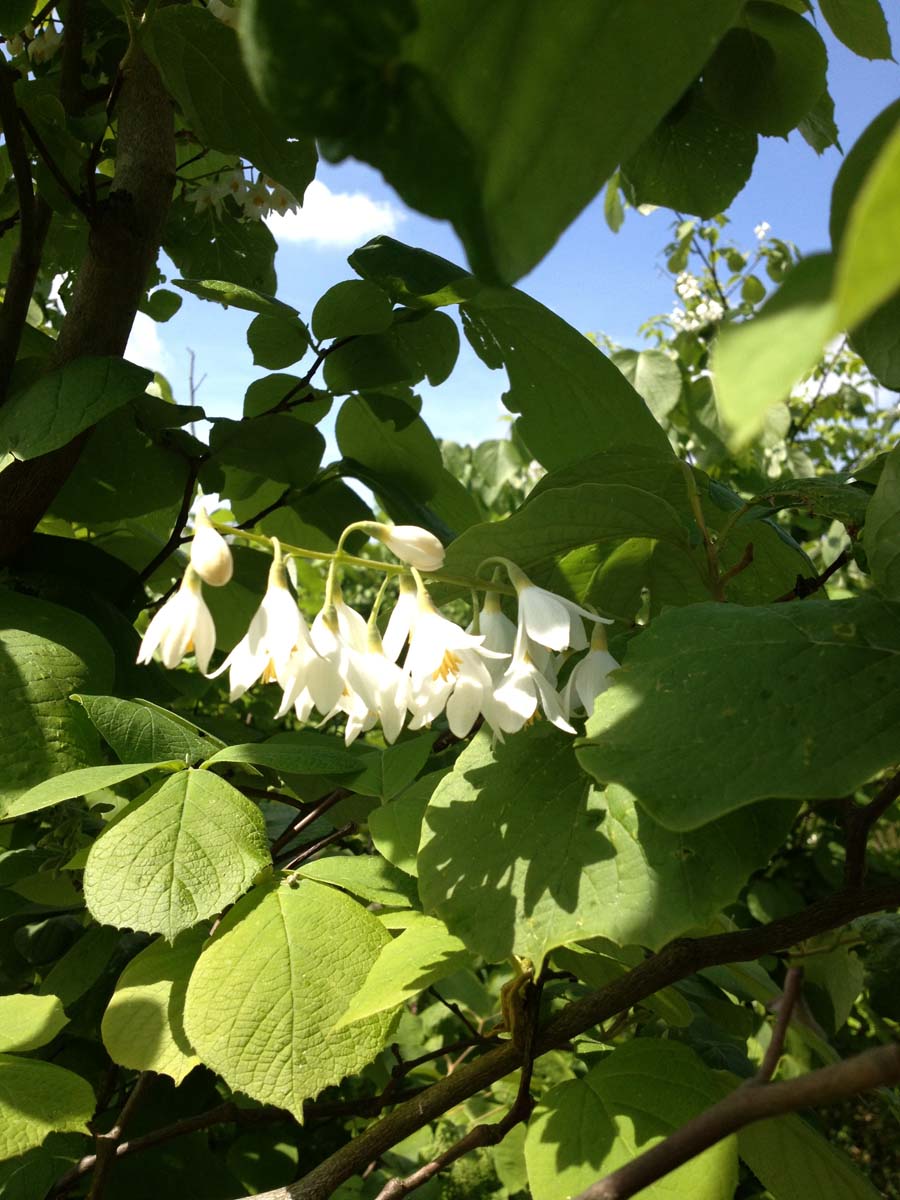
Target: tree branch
{"x": 107, "y": 1143}
{"x": 194, "y": 465}
{"x": 748, "y": 1103}
{"x": 793, "y": 984}
{"x": 858, "y": 826}
{"x": 676, "y": 961}
{"x": 806, "y": 587}
{"x": 307, "y": 817}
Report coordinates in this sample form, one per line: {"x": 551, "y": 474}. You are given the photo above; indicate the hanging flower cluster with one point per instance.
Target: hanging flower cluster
{"x": 254, "y": 199}
{"x": 422, "y": 666}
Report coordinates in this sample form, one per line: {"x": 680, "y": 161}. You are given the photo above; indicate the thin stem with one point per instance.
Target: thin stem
{"x": 53, "y": 167}
{"x": 712, "y": 557}
{"x": 858, "y": 826}
{"x": 194, "y": 465}
{"x": 807, "y": 587}
{"x": 108, "y": 1142}
{"x": 307, "y": 818}
{"x": 309, "y": 852}
{"x": 793, "y": 983}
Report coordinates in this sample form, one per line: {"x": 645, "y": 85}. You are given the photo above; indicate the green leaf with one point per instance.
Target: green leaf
{"x": 223, "y": 292}
{"x": 276, "y": 342}
{"x": 388, "y": 437}
{"x": 177, "y": 855}
{"x": 756, "y": 363}
{"x": 860, "y": 25}
{"x": 471, "y": 116}
{"x": 613, "y": 208}
{"x": 61, "y": 404}
{"x": 138, "y": 731}
{"x": 37, "y": 1098}
{"x": 82, "y": 964}
{"x": 818, "y": 127}
{"x": 412, "y": 276}
{"x": 545, "y": 357}
{"x": 266, "y": 994}
{"x": 80, "y": 783}
{"x": 768, "y": 71}
{"x": 46, "y": 653}
{"x": 794, "y": 1162}
{"x": 418, "y": 345}
{"x": 586, "y": 1128}
{"x": 819, "y": 495}
{"x": 882, "y": 532}
{"x": 387, "y": 772}
{"x": 203, "y": 247}
{"x": 200, "y": 62}
{"x": 364, "y": 875}
{"x": 161, "y": 305}
{"x": 300, "y": 759}
{"x": 856, "y": 166}
{"x": 276, "y": 446}
{"x": 29, "y": 1021}
{"x": 143, "y": 1026}
{"x": 419, "y": 957}
{"x": 865, "y": 276}
{"x": 654, "y": 376}
{"x": 352, "y": 307}
{"x": 770, "y": 701}
{"x": 15, "y": 16}
{"x": 694, "y": 161}
{"x": 396, "y": 827}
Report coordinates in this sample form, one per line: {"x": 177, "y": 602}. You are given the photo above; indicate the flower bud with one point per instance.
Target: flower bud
{"x": 210, "y": 555}
{"x": 410, "y": 543}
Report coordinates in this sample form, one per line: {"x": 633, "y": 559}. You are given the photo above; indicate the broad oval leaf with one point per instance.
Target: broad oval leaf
{"x": 267, "y": 991}
{"x": 80, "y": 783}
{"x": 28, "y": 1021}
{"x": 352, "y": 307}
{"x": 303, "y": 758}
{"x": 143, "y": 1026}
{"x": 38, "y": 1098}
{"x": 139, "y": 731}
{"x": 177, "y": 855}
{"x": 769, "y": 701}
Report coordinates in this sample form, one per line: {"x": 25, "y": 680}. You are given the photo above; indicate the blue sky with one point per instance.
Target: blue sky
{"x": 595, "y": 279}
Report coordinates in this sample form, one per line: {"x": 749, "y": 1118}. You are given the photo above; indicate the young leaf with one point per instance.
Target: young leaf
{"x": 38, "y": 1098}
{"x": 266, "y": 994}
{"x": 770, "y": 701}
{"x": 139, "y": 731}
{"x": 276, "y": 342}
{"x": 585, "y": 1128}
{"x": 860, "y": 25}
{"x": 226, "y": 293}
{"x": 419, "y": 957}
{"x": 80, "y": 783}
{"x": 176, "y": 856}
{"x": 143, "y": 1026}
{"x": 29, "y": 1021}
{"x": 61, "y": 404}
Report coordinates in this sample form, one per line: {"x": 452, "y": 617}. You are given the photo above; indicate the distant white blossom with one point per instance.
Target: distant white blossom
{"x": 761, "y": 229}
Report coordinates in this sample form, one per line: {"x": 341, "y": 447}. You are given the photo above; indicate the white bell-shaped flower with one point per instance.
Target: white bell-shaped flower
{"x": 522, "y": 688}
{"x": 276, "y": 639}
{"x": 548, "y": 619}
{"x": 499, "y": 634}
{"x": 183, "y": 624}
{"x": 210, "y": 553}
{"x": 382, "y": 685}
{"x": 435, "y": 643}
{"x": 410, "y": 543}
{"x": 590, "y": 677}
{"x": 402, "y": 618}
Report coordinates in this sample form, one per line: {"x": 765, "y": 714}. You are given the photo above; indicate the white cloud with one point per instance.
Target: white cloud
{"x": 335, "y": 219}
{"x": 145, "y": 346}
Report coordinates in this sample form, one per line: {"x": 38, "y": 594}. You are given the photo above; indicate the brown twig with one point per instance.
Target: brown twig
{"x": 306, "y": 818}
{"x": 745, "y": 560}
{"x": 107, "y": 1143}
{"x": 292, "y": 398}
{"x": 194, "y": 465}
{"x": 311, "y": 851}
{"x": 454, "y": 1008}
{"x": 793, "y": 983}
{"x": 807, "y": 587}
{"x": 858, "y": 825}
{"x": 755, "y": 1102}
{"x": 53, "y": 167}
{"x": 264, "y": 512}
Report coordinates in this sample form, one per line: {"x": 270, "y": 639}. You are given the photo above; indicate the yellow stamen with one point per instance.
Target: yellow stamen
{"x": 450, "y": 665}
{"x": 269, "y": 674}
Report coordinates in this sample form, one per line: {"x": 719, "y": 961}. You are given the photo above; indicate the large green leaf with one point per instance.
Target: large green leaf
{"x": 572, "y": 399}
{"x": 277, "y": 342}
{"x": 365, "y": 875}
{"x": 61, "y": 404}
{"x": 222, "y": 291}
{"x": 585, "y": 1128}
{"x": 46, "y": 653}
{"x": 860, "y": 24}
{"x": 267, "y": 991}
{"x": 28, "y": 1021}
{"x": 472, "y": 117}
{"x": 769, "y": 71}
{"x": 412, "y": 276}
{"x": 205, "y": 247}
{"x": 275, "y": 446}
{"x": 396, "y": 826}
{"x": 138, "y": 731}
{"x": 388, "y": 437}
{"x": 200, "y": 62}
{"x": 179, "y": 854}
{"x": 302, "y": 757}
{"x": 352, "y": 307}
{"x": 770, "y": 701}
{"x": 419, "y": 957}
{"x": 143, "y": 1026}
{"x": 696, "y": 160}
{"x": 38, "y": 1098}
{"x": 80, "y": 782}
{"x": 419, "y": 345}
{"x": 654, "y": 376}
{"x": 794, "y": 1162}
{"x": 882, "y": 532}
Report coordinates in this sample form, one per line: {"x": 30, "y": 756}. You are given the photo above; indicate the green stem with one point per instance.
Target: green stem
{"x": 351, "y": 560}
